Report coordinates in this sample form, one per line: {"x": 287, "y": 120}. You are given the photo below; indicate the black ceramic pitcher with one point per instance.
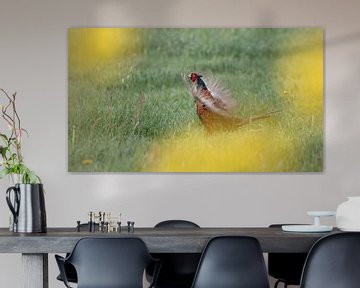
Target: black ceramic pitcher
{"x": 28, "y": 207}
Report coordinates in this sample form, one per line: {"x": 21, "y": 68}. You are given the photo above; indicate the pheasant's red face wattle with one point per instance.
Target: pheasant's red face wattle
{"x": 193, "y": 77}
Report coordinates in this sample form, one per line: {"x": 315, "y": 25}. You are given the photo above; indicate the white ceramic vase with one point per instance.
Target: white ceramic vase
{"x": 348, "y": 214}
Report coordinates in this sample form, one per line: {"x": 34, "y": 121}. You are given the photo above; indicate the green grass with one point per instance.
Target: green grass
{"x": 110, "y": 131}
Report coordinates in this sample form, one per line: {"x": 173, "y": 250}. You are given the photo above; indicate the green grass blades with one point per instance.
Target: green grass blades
{"x": 129, "y": 109}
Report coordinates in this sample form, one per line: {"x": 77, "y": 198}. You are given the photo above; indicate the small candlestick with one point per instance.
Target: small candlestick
{"x": 90, "y": 216}
{"x": 108, "y": 227}
{"x": 78, "y": 225}
{"x": 90, "y": 221}
{"x": 130, "y": 226}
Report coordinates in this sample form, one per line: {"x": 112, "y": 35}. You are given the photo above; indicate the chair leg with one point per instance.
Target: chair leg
{"x": 278, "y": 282}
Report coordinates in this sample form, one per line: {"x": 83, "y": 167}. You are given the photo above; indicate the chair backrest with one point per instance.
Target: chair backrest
{"x": 110, "y": 262}
{"x": 176, "y": 224}
{"x": 232, "y": 262}
{"x": 286, "y": 267}
{"x": 178, "y": 269}
{"x": 333, "y": 262}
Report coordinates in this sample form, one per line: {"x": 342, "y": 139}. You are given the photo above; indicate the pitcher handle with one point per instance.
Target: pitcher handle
{"x": 13, "y": 208}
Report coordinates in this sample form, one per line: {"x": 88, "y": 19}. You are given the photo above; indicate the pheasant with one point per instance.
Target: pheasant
{"x": 214, "y": 105}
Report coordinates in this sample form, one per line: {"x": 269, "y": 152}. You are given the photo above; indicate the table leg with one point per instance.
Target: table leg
{"x": 35, "y": 270}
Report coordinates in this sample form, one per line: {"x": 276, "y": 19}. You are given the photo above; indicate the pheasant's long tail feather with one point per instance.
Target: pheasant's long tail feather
{"x": 259, "y": 117}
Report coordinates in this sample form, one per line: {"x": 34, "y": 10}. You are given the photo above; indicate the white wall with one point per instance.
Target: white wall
{"x": 33, "y": 62}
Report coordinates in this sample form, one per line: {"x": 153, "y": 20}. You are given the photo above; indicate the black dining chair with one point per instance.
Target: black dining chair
{"x": 108, "y": 263}
{"x": 333, "y": 262}
{"x": 70, "y": 271}
{"x": 232, "y": 262}
{"x": 178, "y": 269}
{"x": 286, "y": 267}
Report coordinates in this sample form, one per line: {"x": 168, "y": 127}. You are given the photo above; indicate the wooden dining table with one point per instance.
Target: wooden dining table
{"x": 35, "y": 247}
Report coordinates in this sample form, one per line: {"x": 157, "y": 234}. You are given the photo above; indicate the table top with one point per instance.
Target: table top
{"x": 158, "y": 240}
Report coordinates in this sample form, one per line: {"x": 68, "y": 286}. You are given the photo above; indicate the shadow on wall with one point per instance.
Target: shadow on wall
{"x": 343, "y": 39}
{"x": 134, "y": 14}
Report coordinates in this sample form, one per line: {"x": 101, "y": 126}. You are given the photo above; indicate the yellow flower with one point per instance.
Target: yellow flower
{"x": 87, "y": 162}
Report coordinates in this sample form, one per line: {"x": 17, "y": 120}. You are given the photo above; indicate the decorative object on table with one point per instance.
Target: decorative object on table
{"x": 131, "y": 226}
{"x": 256, "y": 101}
{"x": 348, "y": 214}
{"x": 316, "y": 227}
{"x": 28, "y": 208}
{"x": 102, "y": 222}
{"x": 78, "y": 227}
{"x": 27, "y": 202}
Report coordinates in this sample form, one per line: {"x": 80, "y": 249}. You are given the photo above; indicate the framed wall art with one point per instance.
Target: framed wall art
{"x": 195, "y": 100}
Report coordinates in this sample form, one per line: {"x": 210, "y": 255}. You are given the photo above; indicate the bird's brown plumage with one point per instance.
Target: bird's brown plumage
{"x": 214, "y": 105}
